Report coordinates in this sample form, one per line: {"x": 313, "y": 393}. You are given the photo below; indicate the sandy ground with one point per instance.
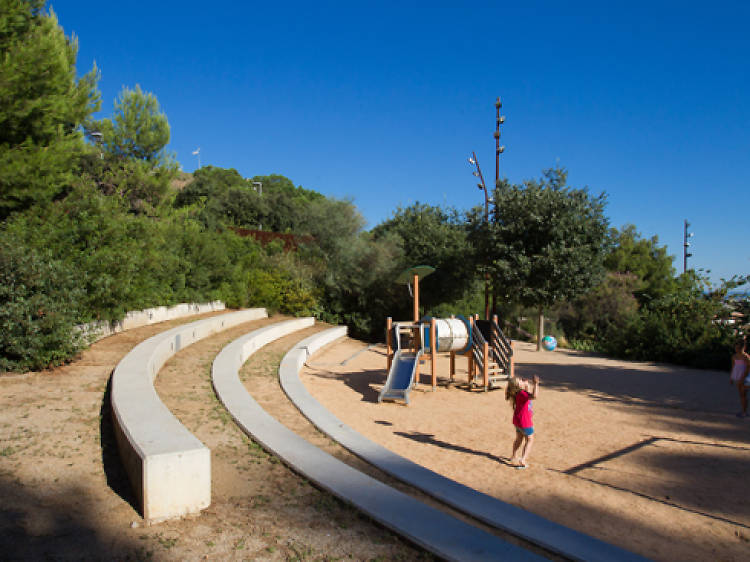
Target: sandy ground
{"x": 648, "y": 457}
{"x": 64, "y": 495}
{"x": 645, "y": 456}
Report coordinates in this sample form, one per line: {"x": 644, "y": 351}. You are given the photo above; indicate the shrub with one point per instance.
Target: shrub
{"x": 38, "y": 309}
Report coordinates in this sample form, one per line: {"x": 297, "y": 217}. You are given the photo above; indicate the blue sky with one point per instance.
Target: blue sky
{"x": 382, "y": 102}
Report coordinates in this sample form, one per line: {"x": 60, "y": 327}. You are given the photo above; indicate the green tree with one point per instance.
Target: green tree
{"x": 209, "y": 182}
{"x": 545, "y": 241}
{"x": 139, "y": 130}
{"x": 596, "y": 315}
{"x": 437, "y": 237}
{"x": 42, "y": 105}
{"x": 681, "y": 327}
{"x": 135, "y": 163}
{"x": 629, "y": 253}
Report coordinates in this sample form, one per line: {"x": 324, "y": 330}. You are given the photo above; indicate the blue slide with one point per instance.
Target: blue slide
{"x": 401, "y": 377}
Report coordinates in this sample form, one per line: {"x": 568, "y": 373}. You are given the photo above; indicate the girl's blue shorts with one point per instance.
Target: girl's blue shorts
{"x": 527, "y": 431}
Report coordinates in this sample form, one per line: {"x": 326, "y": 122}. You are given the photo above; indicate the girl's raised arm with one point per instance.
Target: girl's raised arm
{"x": 535, "y": 388}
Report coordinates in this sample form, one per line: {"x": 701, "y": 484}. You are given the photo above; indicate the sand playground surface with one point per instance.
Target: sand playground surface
{"x": 648, "y": 457}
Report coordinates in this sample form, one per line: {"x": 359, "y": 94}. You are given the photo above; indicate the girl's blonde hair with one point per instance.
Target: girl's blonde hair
{"x": 511, "y": 390}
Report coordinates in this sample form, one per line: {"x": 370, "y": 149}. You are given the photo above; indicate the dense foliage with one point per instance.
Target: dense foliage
{"x": 37, "y": 315}
{"x": 42, "y": 105}
{"x": 93, "y": 229}
{"x": 642, "y": 311}
{"x": 544, "y": 241}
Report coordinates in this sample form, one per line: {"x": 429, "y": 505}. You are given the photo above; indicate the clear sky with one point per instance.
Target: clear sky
{"x": 382, "y": 102}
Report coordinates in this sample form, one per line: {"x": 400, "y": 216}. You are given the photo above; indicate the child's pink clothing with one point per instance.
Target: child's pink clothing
{"x": 738, "y": 370}
{"x": 522, "y": 414}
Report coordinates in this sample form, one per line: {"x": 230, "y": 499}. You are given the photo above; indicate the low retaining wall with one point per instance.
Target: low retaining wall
{"x": 438, "y": 532}
{"x": 168, "y": 467}
{"x": 138, "y": 318}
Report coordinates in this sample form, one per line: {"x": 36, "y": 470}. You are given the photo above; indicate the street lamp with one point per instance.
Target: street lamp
{"x": 499, "y": 120}
{"x": 685, "y": 246}
{"x": 478, "y": 173}
{"x": 97, "y": 136}
{"x": 481, "y": 185}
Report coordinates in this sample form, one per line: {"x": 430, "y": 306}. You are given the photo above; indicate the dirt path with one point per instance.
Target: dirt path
{"x": 65, "y": 496}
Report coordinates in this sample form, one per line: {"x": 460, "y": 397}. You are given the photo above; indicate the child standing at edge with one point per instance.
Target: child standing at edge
{"x": 520, "y": 392}
{"x": 740, "y": 370}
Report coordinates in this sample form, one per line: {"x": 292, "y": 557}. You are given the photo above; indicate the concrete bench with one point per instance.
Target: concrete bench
{"x": 168, "y": 467}
{"x": 537, "y": 530}
{"x": 137, "y": 318}
{"x": 448, "y": 537}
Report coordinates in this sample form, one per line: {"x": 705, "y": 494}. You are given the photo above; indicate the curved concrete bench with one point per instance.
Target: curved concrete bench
{"x": 137, "y": 318}
{"x": 529, "y": 526}
{"x": 168, "y": 467}
{"x": 426, "y": 526}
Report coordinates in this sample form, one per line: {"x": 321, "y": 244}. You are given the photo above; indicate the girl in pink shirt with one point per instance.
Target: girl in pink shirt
{"x": 520, "y": 392}
{"x": 739, "y": 374}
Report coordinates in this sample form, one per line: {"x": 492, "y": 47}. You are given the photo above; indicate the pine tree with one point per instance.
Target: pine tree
{"x": 135, "y": 161}
{"x": 42, "y": 105}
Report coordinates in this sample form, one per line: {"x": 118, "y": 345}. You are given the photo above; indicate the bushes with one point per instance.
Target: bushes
{"x": 38, "y": 309}
{"x": 679, "y": 327}
{"x": 130, "y": 262}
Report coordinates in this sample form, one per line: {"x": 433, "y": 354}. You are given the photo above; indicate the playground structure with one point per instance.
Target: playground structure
{"x": 489, "y": 351}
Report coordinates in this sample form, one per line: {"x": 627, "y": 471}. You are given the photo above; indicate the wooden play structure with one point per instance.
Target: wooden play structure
{"x": 489, "y": 351}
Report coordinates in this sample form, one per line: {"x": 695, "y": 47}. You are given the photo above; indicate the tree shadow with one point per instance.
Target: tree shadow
{"x": 644, "y": 536}
{"x": 37, "y": 526}
{"x": 687, "y": 475}
{"x": 429, "y": 439}
{"x": 687, "y": 400}
{"x": 361, "y": 382}
{"x": 114, "y": 470}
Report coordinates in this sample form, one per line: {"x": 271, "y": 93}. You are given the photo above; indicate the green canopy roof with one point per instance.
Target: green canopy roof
{"x": 420, "y": 271}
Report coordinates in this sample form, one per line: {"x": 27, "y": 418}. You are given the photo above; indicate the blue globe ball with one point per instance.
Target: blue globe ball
{"x": 549, "y": 343}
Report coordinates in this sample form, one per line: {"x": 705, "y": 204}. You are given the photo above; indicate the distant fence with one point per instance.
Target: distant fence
{"x": 291, "y": 241}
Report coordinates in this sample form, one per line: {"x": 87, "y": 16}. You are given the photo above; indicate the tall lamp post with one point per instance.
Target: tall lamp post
{"x": 98, "y": 137}
{"x": 685, "y": 246}
{"x": 499, "y": 120}
{"x": 481, "y": 185}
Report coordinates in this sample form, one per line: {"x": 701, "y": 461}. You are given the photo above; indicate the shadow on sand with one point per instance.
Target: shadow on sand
{"x": 117, "y": 477}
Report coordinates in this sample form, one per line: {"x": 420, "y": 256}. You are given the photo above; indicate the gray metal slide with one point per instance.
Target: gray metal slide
{"x": 401, "y": 376}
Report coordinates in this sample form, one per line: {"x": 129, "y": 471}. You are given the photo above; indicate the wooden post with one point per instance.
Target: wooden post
{"x": 512, "y": 359}
{"x": 486, "y": 366}
{"x": 470, "y": 366}
{"x": 416, "y": 298}
{"x": 433, "y": 351}
{"x": 388, "y": 327}
{"x": 453, "y": 365}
